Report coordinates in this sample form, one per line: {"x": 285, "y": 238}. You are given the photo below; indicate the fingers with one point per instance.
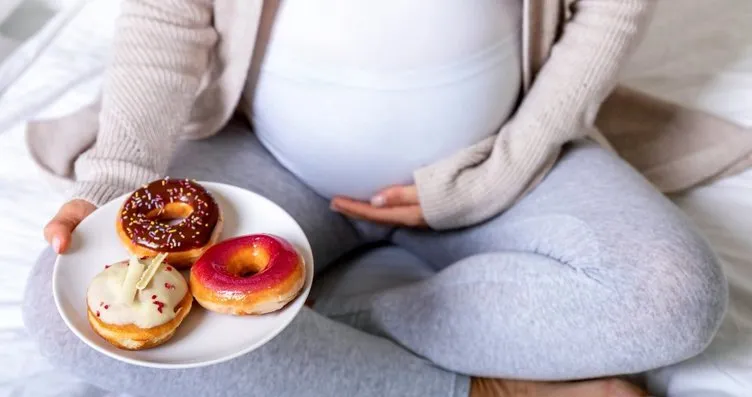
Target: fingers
{"x": 396, "y": 205}
{"x": 396, "y": 196}
{"x": 406, "y": 215}
{"x": 58, "y": 230}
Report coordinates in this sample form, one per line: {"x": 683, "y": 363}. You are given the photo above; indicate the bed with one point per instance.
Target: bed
{"x": 698, "y": 53}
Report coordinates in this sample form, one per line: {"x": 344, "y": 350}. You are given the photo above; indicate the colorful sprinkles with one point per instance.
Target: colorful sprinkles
{"x": 160, "y": 305}
{"x": 192, "y": 232}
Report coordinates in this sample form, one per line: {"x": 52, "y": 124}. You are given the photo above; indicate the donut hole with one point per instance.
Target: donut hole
{"x": 172, "y": 213}
{"x": 247, "y": 262}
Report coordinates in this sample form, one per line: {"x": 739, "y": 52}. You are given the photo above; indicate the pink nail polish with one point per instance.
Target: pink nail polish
{"x": 378, "y": 201}
{"x": 56, "y": 244}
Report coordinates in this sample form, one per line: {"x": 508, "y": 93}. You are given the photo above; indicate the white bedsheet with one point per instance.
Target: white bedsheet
{"x": 706, "y": 63}
{"x": 25, "y": 204}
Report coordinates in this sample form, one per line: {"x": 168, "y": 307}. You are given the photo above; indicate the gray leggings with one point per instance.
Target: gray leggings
{"x": 593, "y": 273}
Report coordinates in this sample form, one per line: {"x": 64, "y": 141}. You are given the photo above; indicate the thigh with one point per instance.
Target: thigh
{"x": 599, "y": 271}
{"x": 313, "y": 356}
{"x": 236, "y": 157}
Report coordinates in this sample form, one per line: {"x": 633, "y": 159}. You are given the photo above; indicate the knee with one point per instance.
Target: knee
{"x": 687, "y": 294}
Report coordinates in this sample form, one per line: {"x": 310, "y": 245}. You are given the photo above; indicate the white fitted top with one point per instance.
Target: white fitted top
{"x": 353, "y": 96}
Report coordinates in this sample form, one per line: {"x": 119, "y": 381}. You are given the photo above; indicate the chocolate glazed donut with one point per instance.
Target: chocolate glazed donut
{"x": 174, "y": 216}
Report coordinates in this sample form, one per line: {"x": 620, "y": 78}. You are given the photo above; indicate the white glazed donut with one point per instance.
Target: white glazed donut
{"x": 134, "y": 306}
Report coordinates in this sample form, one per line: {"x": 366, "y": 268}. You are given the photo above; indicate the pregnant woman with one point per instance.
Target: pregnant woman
{"x": 525, "y": 250}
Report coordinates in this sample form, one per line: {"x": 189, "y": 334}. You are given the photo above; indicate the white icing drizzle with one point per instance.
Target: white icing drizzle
{"x": 106, "y": 289}
{"x": 151, "y": 271}
{"x": 132, "y": 275}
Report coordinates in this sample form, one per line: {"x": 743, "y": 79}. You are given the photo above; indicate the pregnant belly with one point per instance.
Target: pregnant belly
{"x": 355, "y": 138}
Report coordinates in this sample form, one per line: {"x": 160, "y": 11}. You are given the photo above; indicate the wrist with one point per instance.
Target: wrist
{"x": 94, "y": 193}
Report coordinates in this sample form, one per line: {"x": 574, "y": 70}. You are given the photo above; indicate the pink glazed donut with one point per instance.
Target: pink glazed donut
{"x": 252, "y": 274}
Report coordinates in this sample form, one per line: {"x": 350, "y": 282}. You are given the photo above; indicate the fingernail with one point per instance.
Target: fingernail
{"x": 378, "y": 201}
{"x": 56, "y": 244}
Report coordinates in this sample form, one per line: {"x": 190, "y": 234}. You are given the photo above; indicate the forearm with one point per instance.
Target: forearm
{"x": 487, "y": 178}
{"x": 160, "y": 54}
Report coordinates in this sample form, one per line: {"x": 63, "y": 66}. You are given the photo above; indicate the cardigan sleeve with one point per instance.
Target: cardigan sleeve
{"x": 160, "y": 53}
{"x": 483, "y": 180}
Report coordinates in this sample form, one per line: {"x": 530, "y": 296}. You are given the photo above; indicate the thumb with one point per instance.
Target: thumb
{"x": 58, "y": 230}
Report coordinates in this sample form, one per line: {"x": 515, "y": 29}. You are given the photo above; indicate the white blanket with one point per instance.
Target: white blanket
{"x": 706, "y": 63}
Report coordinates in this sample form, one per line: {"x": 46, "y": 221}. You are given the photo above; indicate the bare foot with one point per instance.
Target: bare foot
{"x": 483, "y": 387}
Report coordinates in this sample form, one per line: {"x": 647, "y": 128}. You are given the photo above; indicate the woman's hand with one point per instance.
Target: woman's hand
{"x": 396, "y": 205}
{"x": 58, "y": 231}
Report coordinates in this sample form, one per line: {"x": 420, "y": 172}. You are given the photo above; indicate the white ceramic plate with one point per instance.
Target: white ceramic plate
{"x": 205, "y": 337}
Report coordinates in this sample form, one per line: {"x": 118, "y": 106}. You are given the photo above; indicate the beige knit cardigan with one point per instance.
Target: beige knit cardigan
{"x": 179, "y": 69}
